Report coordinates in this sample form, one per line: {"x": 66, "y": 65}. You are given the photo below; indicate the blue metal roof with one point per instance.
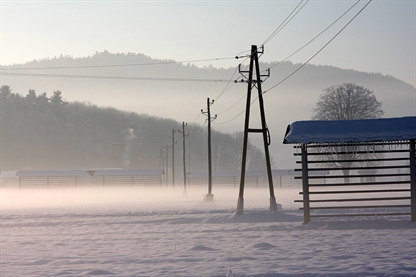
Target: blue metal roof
{"x": 350, "y": 131}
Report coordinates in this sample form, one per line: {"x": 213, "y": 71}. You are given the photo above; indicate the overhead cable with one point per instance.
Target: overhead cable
{"x": 238, "y": 115}
{"x": 233, "y": 104}
{"x": 305, "y": 63}
{"x": 113, "y": 65}
{"x": 309, "y": 42}
{"x": 199, "y": 114}
{"x": 285, "y": 22}
{"x": 228, "y": 86}
{"x": 111, "y": 77}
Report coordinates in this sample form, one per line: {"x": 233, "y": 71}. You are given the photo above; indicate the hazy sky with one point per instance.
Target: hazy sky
{"x": 381, "y": 39}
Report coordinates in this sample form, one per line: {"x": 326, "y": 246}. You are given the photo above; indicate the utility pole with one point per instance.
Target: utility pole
{"x": 162, "y": 160}
{"x": 167, "y": 163}
{"x": 184, "y": 136}
{"x": 254, "y": 62}
{"x": 173, "y": 156}
{"x": 209, "y": 197}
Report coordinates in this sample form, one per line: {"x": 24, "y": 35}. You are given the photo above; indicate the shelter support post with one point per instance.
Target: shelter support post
{"x": 413, "y": 180}
{"x": 305, "y": 184}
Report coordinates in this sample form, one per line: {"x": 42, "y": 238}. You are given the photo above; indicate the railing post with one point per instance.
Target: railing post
{"x": 413, "y": 179}
{"x": 305, "y": 185}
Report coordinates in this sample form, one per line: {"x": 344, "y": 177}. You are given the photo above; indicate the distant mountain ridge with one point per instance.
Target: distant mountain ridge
{"x": 125, "y": 61}
{"x": 138, "y": 65}
{"x": 182, "y": 100}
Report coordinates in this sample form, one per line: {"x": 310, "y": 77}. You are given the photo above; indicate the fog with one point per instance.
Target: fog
{"x": 160, "y": 232}
{"x": 141, "y": 198}
{"x": 183, "y": 101}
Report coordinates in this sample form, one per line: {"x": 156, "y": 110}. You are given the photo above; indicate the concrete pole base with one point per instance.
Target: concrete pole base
{"x": 240, "y": 206}
{"x": 209, "y": 197}
{"x": 273, "y": 205}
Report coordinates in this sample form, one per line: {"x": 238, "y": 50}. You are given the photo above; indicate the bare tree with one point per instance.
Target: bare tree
{"x": 346, "y": 102}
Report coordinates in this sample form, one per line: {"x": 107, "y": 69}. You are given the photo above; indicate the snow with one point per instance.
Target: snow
{"x": 161, "y": 232}
{"x": 339, "y": 131}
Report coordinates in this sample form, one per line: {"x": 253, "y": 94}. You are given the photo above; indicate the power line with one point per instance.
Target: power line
{"x": 238, "y": 55}
{"x": 309, "y": 42}
{"x": 233, "y": 104}
{"x": 248, "y": 57}
{"x": 219, "y": 123}
{"x": 298, "y": 51}
{"x": 290, "y": 75}
{"x": 238, "y": 115}
{"x": 283, "y": 24}
{"x": 239, "y": 68}
{"x": 199, "y": 114}
{"x": 114, "y": 65}
{"x": 228, "y": 86}
{"x": 111, "y": 77}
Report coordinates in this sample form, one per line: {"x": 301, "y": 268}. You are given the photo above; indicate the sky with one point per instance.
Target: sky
{"x": 381, "y": 39}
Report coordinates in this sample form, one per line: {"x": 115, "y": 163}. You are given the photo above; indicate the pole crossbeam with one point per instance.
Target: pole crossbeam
{"x": 254, "y": 66}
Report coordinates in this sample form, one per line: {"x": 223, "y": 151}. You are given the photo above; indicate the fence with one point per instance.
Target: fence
{"x": 256, "y": 178}
{"x": 83, "y": 178}
{"x": 383, "y": 182}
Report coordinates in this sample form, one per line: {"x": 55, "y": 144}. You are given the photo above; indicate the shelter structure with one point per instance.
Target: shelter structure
{"x": 371, "y": 166}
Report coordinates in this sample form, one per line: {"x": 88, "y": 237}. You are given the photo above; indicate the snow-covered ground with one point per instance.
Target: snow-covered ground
{"x": 161, "y": 232}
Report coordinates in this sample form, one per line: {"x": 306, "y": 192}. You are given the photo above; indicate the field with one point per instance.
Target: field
{"x": 162, "y": 232}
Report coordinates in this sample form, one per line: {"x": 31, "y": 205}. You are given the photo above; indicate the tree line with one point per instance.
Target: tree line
{"x": 40, "y": 132}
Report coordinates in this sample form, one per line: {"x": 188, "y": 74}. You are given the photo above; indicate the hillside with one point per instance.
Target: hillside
{"x": 182, "y": 100}
{"x": 40, "y": 132}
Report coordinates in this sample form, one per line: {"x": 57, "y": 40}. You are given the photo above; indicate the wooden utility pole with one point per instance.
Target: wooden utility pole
{"x": 254, "y": 62}
{"x": 184, "y": 136}
{"x": 167, "y": 163}
{"x": 162, "y": 160}
{"x": 173, "y": 156}
{"x": 209, "y": 197}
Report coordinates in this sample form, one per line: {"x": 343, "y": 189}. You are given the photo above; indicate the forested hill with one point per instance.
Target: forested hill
{"x": 174, "y": 90}
{"x": 41, "y": 132}
{"x": 153, "y": 91}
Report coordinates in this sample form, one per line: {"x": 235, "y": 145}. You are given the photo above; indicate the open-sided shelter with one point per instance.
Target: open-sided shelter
{"x": 371, "y": 164}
